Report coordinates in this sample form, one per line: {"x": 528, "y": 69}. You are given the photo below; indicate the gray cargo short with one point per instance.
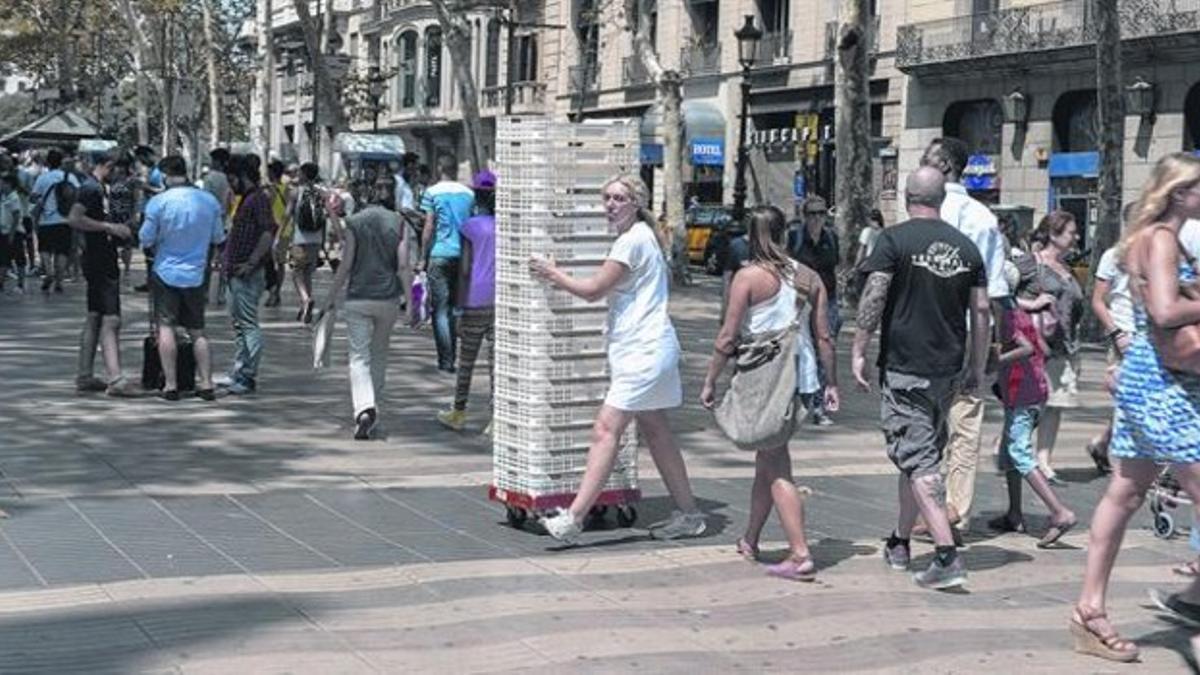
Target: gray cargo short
{"x": 914, "y": 411}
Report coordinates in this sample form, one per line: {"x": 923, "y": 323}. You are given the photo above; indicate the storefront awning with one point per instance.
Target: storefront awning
{"x": 1075, "y": 165}
{"x": 369, "y": 146}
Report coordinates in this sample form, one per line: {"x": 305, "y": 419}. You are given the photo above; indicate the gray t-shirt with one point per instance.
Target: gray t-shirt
{"x": 376, "y": 256}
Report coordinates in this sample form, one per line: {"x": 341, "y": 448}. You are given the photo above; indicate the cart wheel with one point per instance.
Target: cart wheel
{"x": 626, "y": 516}
{"x": 1164, "y": 525}
{"x": 516, "y": 516}
{"x": 1156, "y": 505}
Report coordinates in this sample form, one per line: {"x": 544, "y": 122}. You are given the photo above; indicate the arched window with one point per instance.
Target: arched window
{"x": 1075, "y": 122}
{"x": 406, "y": 55}
{"x": 433, "y": 67}
{"x": 976, "y": 123}
{"x": 491, "y": 71}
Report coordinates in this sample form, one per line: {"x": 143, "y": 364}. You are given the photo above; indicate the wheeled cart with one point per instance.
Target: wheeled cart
{"x": 551, "y": 368}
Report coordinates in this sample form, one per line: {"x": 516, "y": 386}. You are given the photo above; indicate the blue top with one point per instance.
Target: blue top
{"x": 43, "y": 193}
{"x": 181, "y": 224}
{"x": 451, "y": 203}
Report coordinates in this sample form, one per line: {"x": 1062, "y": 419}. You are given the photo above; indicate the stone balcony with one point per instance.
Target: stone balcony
{"x": 1019, "y": 37}
{"x": 527, "y": 98}
{"x": 700, "y": 60}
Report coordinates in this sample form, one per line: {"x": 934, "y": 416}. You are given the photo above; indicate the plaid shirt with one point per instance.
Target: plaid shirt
{"x": 252, "y": 218}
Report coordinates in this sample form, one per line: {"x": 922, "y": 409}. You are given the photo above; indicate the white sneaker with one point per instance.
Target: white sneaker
{"x": 680, "y": 525}
{"x": 563, "y": 527}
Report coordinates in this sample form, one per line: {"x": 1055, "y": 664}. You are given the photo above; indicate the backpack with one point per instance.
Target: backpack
{"x": 310, "y": 214}
{"x": 64, "y": 195}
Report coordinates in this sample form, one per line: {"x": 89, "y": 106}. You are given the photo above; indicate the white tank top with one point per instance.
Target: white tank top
{"x": 774, "y": 314}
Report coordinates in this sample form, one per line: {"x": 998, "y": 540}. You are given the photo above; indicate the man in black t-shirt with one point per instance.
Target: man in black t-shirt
{"x": 89, "y": 214}
{"x": 925, "y": 278}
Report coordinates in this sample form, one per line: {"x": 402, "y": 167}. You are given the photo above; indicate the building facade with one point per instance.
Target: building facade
{"x": 1017, "y": 81}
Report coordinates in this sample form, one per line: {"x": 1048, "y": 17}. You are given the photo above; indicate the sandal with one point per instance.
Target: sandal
{"x": 1189, "y": 569}
{"x": 748, "y": 552}
{"x": 794, "y": 569}
{"x": 1107, "y": 645}
{"x": 1055, "y": 533}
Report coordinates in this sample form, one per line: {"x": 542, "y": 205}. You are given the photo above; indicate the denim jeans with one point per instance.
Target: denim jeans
{"x": 442, "y": 277}
{"x": 244, "y": 294}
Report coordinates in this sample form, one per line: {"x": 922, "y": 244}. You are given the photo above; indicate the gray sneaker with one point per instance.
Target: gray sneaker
{"x": 938, "y": 577}
{"x": 563, "y": 527}
{"x": 680, "y": 525}
{"x": 897, "y": 557}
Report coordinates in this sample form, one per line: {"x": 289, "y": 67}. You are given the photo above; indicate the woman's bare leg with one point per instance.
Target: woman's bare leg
{"x": 668, "y": 459}
{"x": 601, "y": 457}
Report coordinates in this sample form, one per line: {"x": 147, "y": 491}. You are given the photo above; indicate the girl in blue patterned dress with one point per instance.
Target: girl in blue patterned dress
{"x": 1158, "y": 410}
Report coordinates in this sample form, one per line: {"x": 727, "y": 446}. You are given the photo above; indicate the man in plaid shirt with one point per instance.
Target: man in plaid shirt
{"x": 246, "y": 251}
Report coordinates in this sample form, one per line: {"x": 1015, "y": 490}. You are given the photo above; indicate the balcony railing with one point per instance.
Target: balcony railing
{"x": 831, "y": 38}
{"x": 701, "y": 59}
{"x": 775, "y": 48}
{"x": 633, "y": 72}
{"x": 527, "y": 97}
{"x": 1033, "y": 28}
{"x": 583, "y": 79}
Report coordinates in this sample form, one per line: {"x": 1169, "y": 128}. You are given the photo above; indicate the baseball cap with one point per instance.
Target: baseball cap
{"x": 484, "y": 180}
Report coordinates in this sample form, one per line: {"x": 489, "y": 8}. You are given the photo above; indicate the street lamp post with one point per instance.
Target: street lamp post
{"x": 747, "y": 38}
{"x": 230, "y": 100}
{"x": 375, "y": 82}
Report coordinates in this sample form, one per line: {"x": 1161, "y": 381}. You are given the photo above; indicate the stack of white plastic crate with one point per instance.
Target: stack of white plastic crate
{"x": 551, "y": 370}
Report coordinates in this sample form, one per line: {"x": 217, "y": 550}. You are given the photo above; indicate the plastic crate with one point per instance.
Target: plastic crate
{"x": 533, "y": 293}
{"x": 544, "y": 391}
{"x": 549, "y": 345}
{"x": 548, "y": 416}
{"x": 568, "y": 321}
{"x": 515, "y": 433}
{"x": 509, "y": 363}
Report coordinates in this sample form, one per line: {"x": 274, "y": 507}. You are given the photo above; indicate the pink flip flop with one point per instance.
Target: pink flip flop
{"x": 794, "y": 570}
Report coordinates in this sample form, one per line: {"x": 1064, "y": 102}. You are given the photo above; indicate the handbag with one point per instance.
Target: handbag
{"x": 1048, "y": 322}
{"x": 760, "y": 409}
{"x": 1178, "y": 347}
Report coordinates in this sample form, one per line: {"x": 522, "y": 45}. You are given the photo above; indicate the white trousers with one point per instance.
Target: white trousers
{"x": 369, "y": 326}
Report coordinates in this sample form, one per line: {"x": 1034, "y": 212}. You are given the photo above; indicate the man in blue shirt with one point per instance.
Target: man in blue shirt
{"x": 54, "y": 235}
{"x": 181, "y": 225}
{"x": 447, "y": 205}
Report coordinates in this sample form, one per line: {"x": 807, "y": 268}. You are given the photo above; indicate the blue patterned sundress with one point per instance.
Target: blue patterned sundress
{"x": 1158, "y": 410}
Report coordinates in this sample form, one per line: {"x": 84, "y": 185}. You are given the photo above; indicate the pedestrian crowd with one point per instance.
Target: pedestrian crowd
{"x": 966, "y": 308}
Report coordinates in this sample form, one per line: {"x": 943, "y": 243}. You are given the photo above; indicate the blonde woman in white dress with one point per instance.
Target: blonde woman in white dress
{"x": 643, "y": 360}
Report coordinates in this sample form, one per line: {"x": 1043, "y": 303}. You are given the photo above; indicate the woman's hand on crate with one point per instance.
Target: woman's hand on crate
{"x": 544, "y": 269}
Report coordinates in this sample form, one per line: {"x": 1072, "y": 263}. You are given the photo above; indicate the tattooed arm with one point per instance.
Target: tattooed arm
{"x": 870, "y": 313}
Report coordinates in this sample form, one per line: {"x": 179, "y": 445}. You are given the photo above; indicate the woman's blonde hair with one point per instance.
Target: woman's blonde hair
{"x": 1173, "y": 172}
{"x": 636, "y": 187}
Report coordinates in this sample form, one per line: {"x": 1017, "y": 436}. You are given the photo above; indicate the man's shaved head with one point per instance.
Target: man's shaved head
{"x": 925, "y": 187}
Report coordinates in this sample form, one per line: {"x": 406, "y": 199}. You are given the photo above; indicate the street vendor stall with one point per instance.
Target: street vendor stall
{"x": 365, "y": 156}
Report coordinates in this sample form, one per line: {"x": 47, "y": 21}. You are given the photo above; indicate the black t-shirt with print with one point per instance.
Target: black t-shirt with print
{"x": 933, "y": 267}
{"x": 100, "y": 251}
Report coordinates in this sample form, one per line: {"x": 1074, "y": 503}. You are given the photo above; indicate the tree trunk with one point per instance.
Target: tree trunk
{"x": 323, "y": 85}
{"x": 210, "y": 62}
{"x": 669, "y": 85}
{"x": 457, "y": 35}
{"x": 143, "y": 48}
{"x": 266, "y": 75}
{"x": 855, "y": 193}
{"x": 1111, "y": 105}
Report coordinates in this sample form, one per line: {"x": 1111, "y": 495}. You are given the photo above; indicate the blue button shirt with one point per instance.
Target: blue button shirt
{"x": 181, "y": 225}
{"x": 451, "y": 203}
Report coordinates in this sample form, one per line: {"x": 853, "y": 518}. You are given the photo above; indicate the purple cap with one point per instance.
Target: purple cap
{"x": 484, "y": 180}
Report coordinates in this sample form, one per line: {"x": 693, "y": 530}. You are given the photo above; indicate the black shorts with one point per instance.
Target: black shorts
{"x": 54, "y": 239}
{"x": 103, "y": 295}
{"x": 183, "y": 307}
